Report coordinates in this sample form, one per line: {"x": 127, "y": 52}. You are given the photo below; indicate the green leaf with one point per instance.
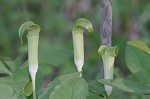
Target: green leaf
{"x": 21, "y": 97}
{"x": 51, "y": 86}
{"x": 21, "y": 74}
{"x": 93, "y": 96}
{"x": 4, "y": 69}
{"x": 7, "y": 92}
{"x": 140, "y": 45}
{"x": 20, "y": 60}
{"x": 75, "y": 88}
{"x": 138, "y": 61}
{"x": 18, "y": 79}
{"x": 97, "y": 89}
{"x": 138, "y": 77}
{"x": 27, "y": 90}
{"x": 34, "y": 28}
{"x": 127, "y": 85}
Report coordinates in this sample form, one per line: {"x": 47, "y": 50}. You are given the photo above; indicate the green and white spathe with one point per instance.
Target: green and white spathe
{"x": 33, "y": 39}
{"x": 108, "y": 55}
{"x": 78, "y": 42}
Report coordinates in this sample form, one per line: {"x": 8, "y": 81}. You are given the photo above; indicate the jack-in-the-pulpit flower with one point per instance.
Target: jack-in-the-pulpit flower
{"x": 108, "y": 55}
{"x": 78, "y": 42}
{"x": 33, "y": 39}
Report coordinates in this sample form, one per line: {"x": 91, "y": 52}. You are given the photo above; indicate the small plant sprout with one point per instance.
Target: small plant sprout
{"x": 77, "y": 33}
{"x": 108, "y": 55}
{"x": 33, "y": 39}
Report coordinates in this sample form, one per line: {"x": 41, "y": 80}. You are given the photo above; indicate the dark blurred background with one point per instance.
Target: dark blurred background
{"x": 131, "y": 21}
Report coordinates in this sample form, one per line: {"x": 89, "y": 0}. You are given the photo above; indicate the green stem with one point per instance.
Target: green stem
{"x": 33, "y": 77}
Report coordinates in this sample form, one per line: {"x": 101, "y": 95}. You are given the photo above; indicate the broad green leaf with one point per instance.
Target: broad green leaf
{"x": 16, "y": 86}
{"x": 139, "y": 77}
{"x": 6, "y": 67}
{"x": 97, "y": 89}
{"x": 21, "y": 97}
{"x": 112, "y": 96}
{"x": 119, "y": 94}
{"x": 20, "y": 60}
{"x": 138, "y": 61}
{"x": 127, "y": 85}
{"x": 93, "y": 96}
{"x": 18, "y": 79}
{"x": 10, "y": 64}
{"x": 51, "y": 86}
{"x": 145, "y": 97}
{"x": 21, "y": 74}
{"x": 76, "y": 88}
{"x": 3, "y": 69}
{"x": 27, "y": 90}
{"x": 141, "y": 45}
{"x": 7, "y": 92}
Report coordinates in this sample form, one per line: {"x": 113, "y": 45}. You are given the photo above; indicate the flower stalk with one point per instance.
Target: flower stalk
{"x": 78, "y": 42}
{"x": 33, "y": 39}
{"x": 108, "y": 55}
